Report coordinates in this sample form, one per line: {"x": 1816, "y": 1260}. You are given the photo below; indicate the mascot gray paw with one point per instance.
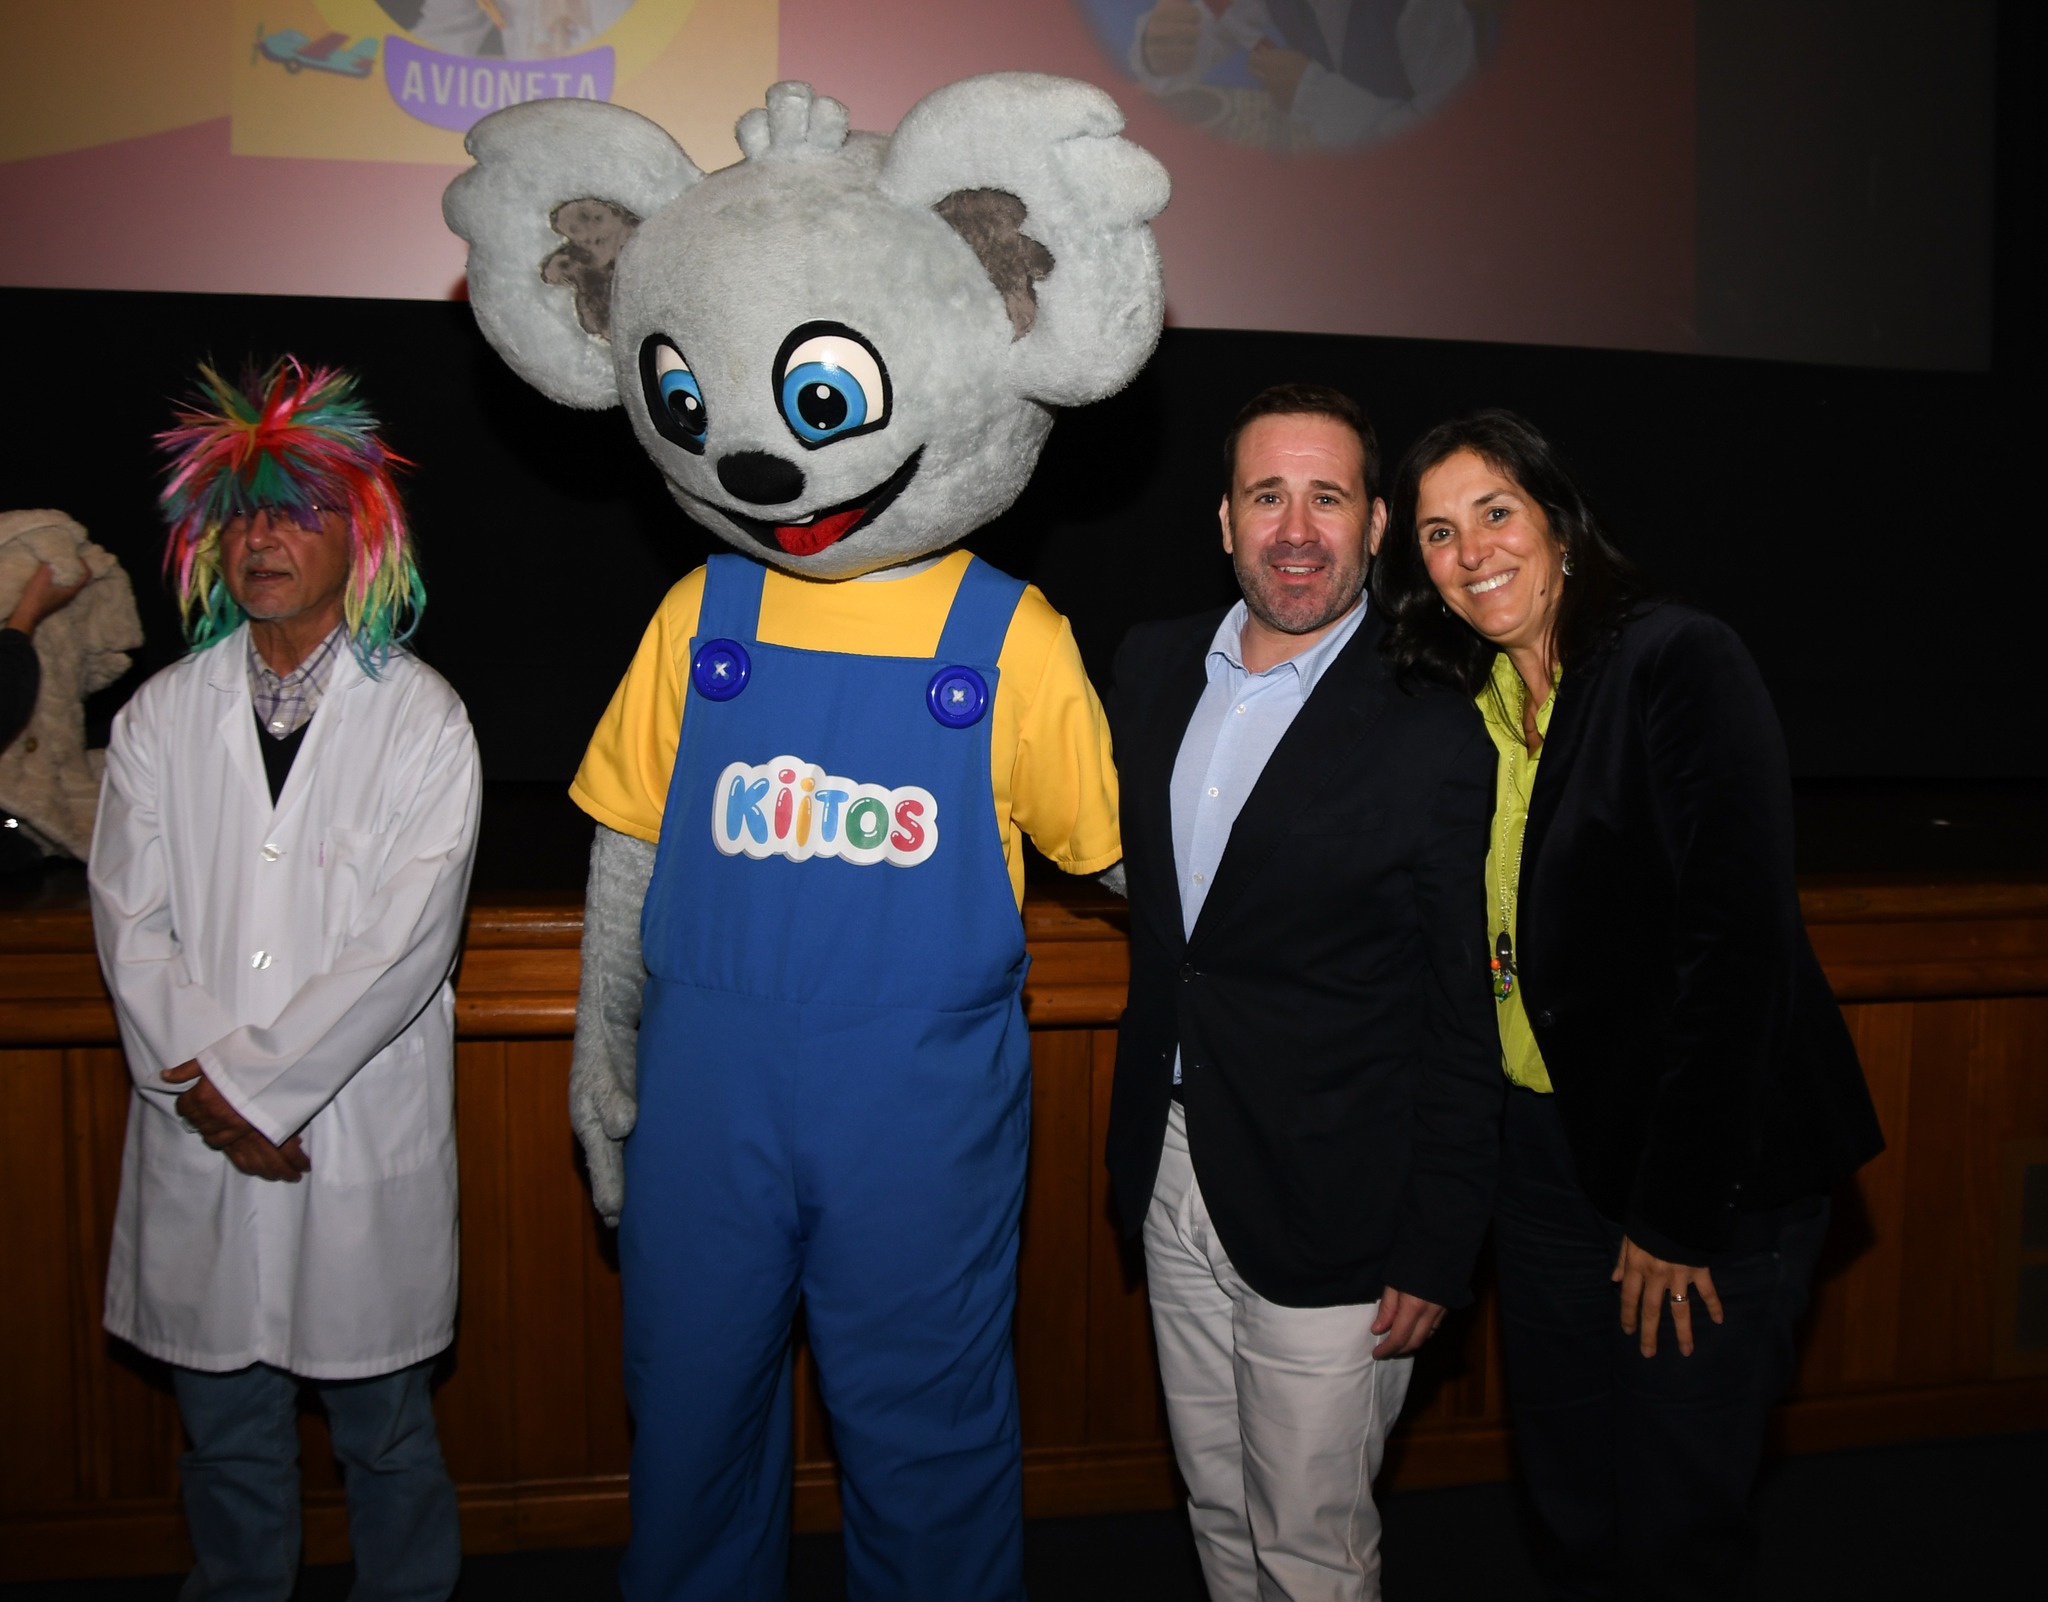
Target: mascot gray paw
{"x": 602, "y": 1102}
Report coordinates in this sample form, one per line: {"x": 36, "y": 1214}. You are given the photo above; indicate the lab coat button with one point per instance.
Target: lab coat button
{"x": 260, "y": 959}
{"x": 271, "y": 853}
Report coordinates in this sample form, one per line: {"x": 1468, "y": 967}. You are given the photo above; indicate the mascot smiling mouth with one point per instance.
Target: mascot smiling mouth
{"x": 830, "y": 525}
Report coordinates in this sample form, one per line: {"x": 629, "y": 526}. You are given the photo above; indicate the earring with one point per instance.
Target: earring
{"x": 1444, "y": 607}
{"x": 1568, "y": 568}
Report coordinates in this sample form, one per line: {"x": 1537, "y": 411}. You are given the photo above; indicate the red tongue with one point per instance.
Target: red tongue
{"x": 807, "y": 539}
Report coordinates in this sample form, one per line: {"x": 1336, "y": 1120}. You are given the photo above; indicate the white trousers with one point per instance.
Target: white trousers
{"x": 1279, "y": 1414}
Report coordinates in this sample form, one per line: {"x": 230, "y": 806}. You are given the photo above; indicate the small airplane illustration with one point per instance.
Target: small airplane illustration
{"x": 294, "y": 51}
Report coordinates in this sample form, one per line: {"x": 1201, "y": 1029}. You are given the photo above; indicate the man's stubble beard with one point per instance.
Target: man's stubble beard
{"x": 1300, "y": 614}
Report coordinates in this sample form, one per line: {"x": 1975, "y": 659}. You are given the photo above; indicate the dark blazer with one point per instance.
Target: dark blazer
{"x": 1701, "y": 1066}
{"x": 1340, "y": 1056}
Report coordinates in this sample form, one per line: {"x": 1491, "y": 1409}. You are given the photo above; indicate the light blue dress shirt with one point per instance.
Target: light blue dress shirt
{"x": 1236, "y": 725}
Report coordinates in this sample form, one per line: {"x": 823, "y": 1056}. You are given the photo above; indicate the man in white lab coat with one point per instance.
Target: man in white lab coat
{"x": 278, "y": 878}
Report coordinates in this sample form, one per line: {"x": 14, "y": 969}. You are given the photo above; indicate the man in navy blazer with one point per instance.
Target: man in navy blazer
{"x": 1308, "y": 1088}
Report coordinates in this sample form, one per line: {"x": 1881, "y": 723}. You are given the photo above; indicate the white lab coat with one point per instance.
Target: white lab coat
{"x": 302, "y": 955}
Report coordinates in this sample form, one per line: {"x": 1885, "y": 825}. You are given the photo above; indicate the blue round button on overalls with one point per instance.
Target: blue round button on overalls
{"x": 720, "y": 669}
{"x": 958, "y": 696}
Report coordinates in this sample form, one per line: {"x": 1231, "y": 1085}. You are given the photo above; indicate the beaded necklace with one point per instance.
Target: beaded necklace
{"x": 1503, "y": 963}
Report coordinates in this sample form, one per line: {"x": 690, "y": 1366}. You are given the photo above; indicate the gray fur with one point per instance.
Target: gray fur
{"x": 1053, "y": 143}
{"x": 529, "y": 160}
{"x": 817, "y": 224}
{"x": 603, "y": 1103}
{"x": 794, "y": 125}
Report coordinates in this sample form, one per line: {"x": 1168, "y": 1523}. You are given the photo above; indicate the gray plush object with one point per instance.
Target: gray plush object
{"x": 602, "y": 1103}
{"x": 952, "y": 282}
{"x": 992, "y": 254}
{"x": 47, "y": 776}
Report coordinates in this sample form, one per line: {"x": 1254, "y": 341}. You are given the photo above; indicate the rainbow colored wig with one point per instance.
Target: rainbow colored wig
{"x": 293, "y": 443}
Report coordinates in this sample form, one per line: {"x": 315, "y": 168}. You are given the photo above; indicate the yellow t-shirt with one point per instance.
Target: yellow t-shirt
{"x": 1501, "y": 704}
{"x": 1049, "y": 752}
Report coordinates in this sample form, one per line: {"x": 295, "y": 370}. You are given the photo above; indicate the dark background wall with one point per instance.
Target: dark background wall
{"x": 1852, "y": 523}
{"x": 1844, "y": 199}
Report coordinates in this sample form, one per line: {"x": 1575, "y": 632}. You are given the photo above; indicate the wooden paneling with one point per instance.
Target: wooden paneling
{"x": 1948, "y": 993}
{"x": 1052, "y": 1265}
{"x": 2018, "y": 1346}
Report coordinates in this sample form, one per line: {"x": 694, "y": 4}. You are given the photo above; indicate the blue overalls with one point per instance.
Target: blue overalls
{"x": 834, "y": 1090}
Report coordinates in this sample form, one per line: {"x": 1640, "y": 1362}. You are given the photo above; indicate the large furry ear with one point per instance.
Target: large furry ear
{"x": 1086, "y": 320}
{"x": 557, "y": 189}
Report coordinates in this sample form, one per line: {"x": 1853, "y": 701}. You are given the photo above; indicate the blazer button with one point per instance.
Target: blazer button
{"x": 1543, "y": 1019}
{"x": 1187, "y": 972}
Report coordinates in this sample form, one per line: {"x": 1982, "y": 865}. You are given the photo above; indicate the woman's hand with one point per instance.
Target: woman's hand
{"x": 1646, "y": 1281}
{"x": 40, "y": 597}
{"x": 1406, "y": 1322}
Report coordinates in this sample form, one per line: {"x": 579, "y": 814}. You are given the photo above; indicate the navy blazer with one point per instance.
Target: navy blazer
{"x": 1701, "y": 1066}
{"x": 1341, "y": 1061}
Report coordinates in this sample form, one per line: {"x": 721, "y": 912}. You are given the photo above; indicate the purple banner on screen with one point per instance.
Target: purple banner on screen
{"x": 455, "y": 92}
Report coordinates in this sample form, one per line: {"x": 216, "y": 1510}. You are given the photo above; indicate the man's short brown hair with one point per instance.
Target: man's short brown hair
{"x": 1306, "y": 400}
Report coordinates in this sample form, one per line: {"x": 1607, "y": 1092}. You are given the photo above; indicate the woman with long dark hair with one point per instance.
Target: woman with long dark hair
{"x": 1683, "y": 1092}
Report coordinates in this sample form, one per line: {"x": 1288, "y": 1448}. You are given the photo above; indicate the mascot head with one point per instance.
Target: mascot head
{"x": 843, "y": 350}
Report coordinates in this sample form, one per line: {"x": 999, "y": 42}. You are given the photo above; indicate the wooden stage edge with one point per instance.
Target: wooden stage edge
{"x": 1915, "y": 1330}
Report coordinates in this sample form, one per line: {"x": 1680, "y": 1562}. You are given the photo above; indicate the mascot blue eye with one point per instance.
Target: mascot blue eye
{"x": 675, "y": 400}
{"x": 830, "y": 384}
{"x": 685, "y": 401}
{"x": 822, "y": 401}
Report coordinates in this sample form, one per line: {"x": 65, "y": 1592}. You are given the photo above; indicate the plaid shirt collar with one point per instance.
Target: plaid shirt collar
{"x": 285, "y": 703}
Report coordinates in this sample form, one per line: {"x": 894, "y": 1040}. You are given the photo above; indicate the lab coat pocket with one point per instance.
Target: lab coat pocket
{"x": 350, "y": 860}
{"x": 394, "y": 1116}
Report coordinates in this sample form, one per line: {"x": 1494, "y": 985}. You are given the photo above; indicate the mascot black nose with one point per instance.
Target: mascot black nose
{"x": 760, "y": 478}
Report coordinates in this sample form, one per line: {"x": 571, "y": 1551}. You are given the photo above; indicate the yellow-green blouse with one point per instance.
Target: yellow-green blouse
{"x": 1501, "y": 703}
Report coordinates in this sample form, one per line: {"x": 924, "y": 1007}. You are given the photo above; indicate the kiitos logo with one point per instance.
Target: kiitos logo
{"x": 789, "y": 808}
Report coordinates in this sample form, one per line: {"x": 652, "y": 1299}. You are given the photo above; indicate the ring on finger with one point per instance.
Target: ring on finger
{"x": 1678, "y": 1298}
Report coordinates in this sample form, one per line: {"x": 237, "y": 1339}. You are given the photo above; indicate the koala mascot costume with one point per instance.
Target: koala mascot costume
{"x": 842, "y": 353}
